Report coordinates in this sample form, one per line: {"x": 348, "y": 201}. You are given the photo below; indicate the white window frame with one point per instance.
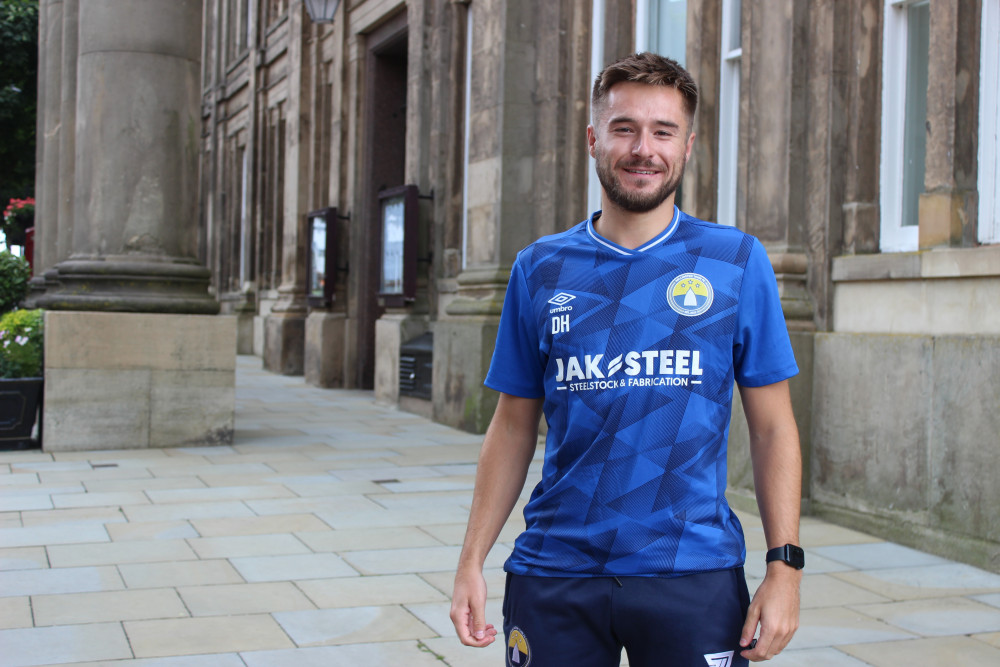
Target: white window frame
{"x": 729, "y": 119}
{"x": 989, "y": 125}
{"x": 894, "y": 235}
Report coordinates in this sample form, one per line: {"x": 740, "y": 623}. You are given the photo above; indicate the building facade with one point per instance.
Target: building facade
{"x": 365, "y": 185}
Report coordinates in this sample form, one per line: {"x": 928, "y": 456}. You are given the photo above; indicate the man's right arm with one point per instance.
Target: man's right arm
{"x": 507, "y": 451}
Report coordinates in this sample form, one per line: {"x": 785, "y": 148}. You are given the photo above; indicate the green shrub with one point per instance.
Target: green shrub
{"x": 14, "y": 276}
{"x": 21, "y": 338}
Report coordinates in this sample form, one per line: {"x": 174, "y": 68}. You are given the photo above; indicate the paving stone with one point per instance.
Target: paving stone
{"x": 353, "y": 625}
{"x": 815, "y": 657}
{"x": 370, "y": 591}
{"x": 934, "y": 652}
{"x": 15, "y": 613}
{"x": 190, "y": 573}
{"x": 37, "y": 489}
{"x": 111, "y": 606}
{"x": 116, "y": 553}
{"x": 31, "y": 501}
{"x": 143, "y": 484}
{"x": 427, "y": 559}
{"x": 64, "y": 643}
{"x": 241, "y": 599}
{"x": 259, "y": 525}
{"x": 938, "y": 616}
{"x": 60, "y": 581}
{"x": 408, "y": 653}
{"x": 453, "y": 652}
{"x": 219, "y": 493}
{"x": 99, "y": 499}
{"x": 923, "y": 582}
{"x": 833, "y": 626}
{"x": 247, "y": 545}
{"x": 153, "y": 530}
{"x": 878, "y": 555}
{"x": 23, "y": 558}
{"x": 68, "y": 519}
{"x": 209, "y": 634}
{"x": 187, "y": 511}
{"x": 356, "y": 539}
{"x": 213, "y": 660}
{"x": 293, "y": 568}
{"x": 821, "y": 590}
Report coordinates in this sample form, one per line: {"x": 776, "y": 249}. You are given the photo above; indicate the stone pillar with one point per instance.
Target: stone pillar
{"x": 50, "y": 128}
{"x": 160, "y": 370}
{"x": 523, "y": 128}
{"x": 137, "y": 130}
{"x": 285, "y": 326}
{"x": 948, "y": 208}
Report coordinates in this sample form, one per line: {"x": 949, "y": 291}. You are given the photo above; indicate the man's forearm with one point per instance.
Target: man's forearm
{"x": 508, "y": 448}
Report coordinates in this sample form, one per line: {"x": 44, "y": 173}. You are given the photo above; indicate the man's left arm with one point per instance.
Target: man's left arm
{"x": 777, "y": 473}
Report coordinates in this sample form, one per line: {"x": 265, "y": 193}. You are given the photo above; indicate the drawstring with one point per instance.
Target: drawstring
{"x": 618, "y": 581}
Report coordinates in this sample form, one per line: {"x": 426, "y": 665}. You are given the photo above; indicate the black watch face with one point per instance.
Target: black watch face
{"x": 796, "y": 557}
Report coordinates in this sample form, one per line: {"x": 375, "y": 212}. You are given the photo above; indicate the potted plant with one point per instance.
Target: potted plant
{"x": 21, "y": 346}
{"x": 18, "y": 217}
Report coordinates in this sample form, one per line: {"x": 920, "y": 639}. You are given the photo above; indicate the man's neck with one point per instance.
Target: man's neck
{"x": 632, "y": 230}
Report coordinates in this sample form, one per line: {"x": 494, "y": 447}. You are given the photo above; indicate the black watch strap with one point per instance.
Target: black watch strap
{"x": 791, "y": 554}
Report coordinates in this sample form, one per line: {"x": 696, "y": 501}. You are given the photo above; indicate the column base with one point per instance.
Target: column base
{"x": 138, "y": 380}
{"x": 463, "y": 348}
{"x": 126, "y": 285}
{"x": 325, "y": 349}
{"x": 284, "y": 343}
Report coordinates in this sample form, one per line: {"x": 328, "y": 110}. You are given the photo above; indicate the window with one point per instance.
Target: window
{"x": 661, "y": 27}
{"x": 905, "y": 47}
{"x": 989, "y": 125}
{"x": 729, "y": 110}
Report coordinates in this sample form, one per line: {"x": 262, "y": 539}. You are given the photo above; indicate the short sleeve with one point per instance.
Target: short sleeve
{"x": 762, "y": 351}
{"x": 518, "y": 366}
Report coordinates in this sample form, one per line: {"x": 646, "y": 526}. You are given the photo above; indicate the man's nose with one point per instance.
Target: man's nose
{"x": 642, "y": 146}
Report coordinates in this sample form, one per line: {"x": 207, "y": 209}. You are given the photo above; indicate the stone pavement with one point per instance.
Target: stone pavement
{"x": 326, "y": 535}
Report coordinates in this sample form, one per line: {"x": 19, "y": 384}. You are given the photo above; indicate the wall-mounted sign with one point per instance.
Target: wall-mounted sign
{"x": 322, "y": 257}
{"x": 399, "y": 216}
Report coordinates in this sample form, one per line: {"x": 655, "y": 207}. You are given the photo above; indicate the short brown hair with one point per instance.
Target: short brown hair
{"x": 648, "y": 68}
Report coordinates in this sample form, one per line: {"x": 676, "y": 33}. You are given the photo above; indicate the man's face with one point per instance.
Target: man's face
{"x": 641, "y": 141}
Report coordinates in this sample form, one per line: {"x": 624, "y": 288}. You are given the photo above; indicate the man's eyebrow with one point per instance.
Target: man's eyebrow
{"x": 628, "y": 119}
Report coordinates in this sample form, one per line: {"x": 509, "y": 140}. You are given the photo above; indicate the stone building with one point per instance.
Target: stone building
{"x": 856, "y": 138}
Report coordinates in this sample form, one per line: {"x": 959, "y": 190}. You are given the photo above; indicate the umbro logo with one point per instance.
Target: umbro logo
{"x": 561, "y": 299}
{"x": 724, "y": 659}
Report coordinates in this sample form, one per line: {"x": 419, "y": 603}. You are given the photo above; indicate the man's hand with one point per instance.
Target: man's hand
{"x": 775, "y": 607}
{"x": 468, "y": 609}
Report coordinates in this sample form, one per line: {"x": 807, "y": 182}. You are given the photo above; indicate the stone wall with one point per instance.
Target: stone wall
{"x": 905, "y": 439}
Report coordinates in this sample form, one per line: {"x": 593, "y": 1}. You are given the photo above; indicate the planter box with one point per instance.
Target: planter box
{"x": 20, "y": 403}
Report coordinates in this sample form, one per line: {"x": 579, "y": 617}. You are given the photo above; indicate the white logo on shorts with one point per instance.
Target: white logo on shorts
{"x": 724, "y": 659}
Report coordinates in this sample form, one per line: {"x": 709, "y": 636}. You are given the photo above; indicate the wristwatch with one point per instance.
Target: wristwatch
{"x": 791, "y": 554}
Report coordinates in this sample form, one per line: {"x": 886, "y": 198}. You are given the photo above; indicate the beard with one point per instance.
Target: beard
{"x": 634, "y": 201}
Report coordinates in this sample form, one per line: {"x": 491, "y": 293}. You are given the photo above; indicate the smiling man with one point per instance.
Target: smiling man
{"x": 629, "y": 331}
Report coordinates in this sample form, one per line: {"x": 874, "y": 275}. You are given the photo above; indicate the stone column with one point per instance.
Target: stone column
{"x": 285, "y": 326}
{"x": 50, "y": 128}
{"x": 137, "y": 131}
{"x": 158, "y": 371}
{"x": 518, "y": 125}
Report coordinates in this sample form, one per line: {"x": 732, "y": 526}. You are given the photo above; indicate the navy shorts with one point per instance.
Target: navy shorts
{"x": 659, "y": 621}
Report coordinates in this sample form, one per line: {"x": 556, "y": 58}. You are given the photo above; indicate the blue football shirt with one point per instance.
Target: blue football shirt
{"x": 635, "y": 352}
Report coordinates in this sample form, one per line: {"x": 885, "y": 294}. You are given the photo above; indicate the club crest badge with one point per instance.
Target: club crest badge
{"x": 518, "y": 653}
{"x": 690, "y": 294}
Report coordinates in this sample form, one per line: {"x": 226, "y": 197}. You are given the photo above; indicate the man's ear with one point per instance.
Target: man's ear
{"x": 690, "y": 142}
{"x": 592, "y": 141}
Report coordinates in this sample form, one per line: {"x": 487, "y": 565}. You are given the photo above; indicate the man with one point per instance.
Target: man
{"x": 629, "y": 330}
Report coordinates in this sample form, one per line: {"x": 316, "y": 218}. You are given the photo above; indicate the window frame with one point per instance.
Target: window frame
{"x": 894, "y": 236}
{"x": 989, "y": 125}
{"x": 730, "y": 72}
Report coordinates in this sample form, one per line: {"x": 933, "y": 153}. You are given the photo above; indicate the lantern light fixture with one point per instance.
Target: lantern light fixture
{"x": 322, "y": 11}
